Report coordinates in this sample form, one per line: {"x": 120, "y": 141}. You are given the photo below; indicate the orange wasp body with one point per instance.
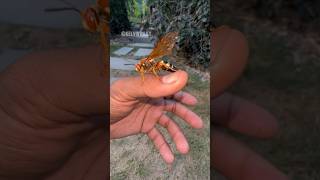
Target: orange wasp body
{"x": 163, "y": 47}
{"x": 94, "y": 19}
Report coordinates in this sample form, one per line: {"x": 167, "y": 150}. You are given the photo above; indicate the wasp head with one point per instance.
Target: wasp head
{"x": 138, "y": 67}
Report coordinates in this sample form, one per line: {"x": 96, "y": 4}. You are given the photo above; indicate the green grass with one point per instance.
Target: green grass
{"x": 120, "y": 176}
{"x": 142, "y": 170}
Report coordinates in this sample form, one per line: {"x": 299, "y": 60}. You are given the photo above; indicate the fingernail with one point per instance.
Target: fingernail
{"x": 169, "y": 79}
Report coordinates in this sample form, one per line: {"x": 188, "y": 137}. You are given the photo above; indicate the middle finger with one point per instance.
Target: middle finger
{"x": 184, "y": 113}
{"x": 184, "y": 98}
{"x": 176, "y": 134}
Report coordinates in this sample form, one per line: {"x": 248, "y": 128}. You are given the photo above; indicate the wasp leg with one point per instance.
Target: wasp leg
{"x": 141, "y": 71}
{"x": 155, "y": 72}
{"x": 154, "y": 69}
{"x": 142, "y": 76}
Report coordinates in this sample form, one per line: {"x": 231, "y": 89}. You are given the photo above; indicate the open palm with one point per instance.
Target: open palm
{"x": 137, "y": 107}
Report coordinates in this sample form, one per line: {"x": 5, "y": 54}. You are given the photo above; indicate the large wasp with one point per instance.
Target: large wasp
{"x": 152, "y": 63}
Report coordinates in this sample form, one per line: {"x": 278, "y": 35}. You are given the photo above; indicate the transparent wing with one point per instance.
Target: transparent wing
{"x": 164, "y": 46}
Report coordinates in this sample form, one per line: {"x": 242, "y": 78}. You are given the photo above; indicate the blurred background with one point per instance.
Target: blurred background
{"x": 282, "y": 75}
{"x": 26, "y": 27}
{"x": 31, "y": 12}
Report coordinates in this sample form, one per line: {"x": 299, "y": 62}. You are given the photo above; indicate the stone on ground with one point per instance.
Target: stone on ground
{"x": 122, "y": 63}
{"x": 123, "y": 51}
{"x": 146, "y": 45}
{"x": 142, "y": 52}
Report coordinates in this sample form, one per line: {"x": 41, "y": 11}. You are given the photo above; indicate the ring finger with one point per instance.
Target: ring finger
{"x": 161, "y": 144}
{"x": 176, "y": 134}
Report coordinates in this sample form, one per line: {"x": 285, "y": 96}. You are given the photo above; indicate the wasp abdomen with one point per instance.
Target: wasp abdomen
{"x": 165, "y": 65}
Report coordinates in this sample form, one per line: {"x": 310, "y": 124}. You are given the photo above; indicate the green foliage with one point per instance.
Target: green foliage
{"x": 144, "y": 7}
{"x": 134, "y": 8}
{"x": 138, "y": 8}
{"x": 191, "y": 19}
{"x": 119, "y": 20}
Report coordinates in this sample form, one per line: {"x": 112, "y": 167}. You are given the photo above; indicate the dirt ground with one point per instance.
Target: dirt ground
{"x": 283, "y": 76}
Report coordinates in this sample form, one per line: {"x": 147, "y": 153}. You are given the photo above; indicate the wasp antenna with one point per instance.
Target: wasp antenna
{"x": 62, "y": 9}
{"x": 69, "y": 7}
{"x": 129, "y": 64}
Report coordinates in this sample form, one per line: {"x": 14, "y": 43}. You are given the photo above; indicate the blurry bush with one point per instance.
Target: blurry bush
{"x": 307, "y": 10}
{"x": 119, "y": 20}
{"x": 191, "y": 19}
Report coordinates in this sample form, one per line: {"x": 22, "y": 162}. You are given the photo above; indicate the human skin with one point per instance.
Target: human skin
{"x": 137, "y": 107}
{"x": 53, "y": 125}
{"x": 53, "y": 113}
{"x": 54, "y": 110}
{"x": 229, "y": 156}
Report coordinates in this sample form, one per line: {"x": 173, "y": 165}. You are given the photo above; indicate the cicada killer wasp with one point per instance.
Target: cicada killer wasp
{"x": 152, "y": 63}
{"x": 94, "y": 19}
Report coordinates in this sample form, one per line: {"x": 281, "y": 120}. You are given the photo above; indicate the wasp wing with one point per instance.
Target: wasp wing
{"x": 164, "y": 46}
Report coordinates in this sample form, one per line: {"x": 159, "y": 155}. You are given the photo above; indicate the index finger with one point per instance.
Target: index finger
{"x": 184, "y": 113}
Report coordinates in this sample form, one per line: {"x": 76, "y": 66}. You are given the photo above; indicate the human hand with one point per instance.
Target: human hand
{"x": 137, "y": 107}
{"x": 50, "y": 104}
{"x": 230, "y": 157}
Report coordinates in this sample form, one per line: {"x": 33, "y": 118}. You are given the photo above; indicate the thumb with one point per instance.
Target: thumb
{"x": 152, "y": 86}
